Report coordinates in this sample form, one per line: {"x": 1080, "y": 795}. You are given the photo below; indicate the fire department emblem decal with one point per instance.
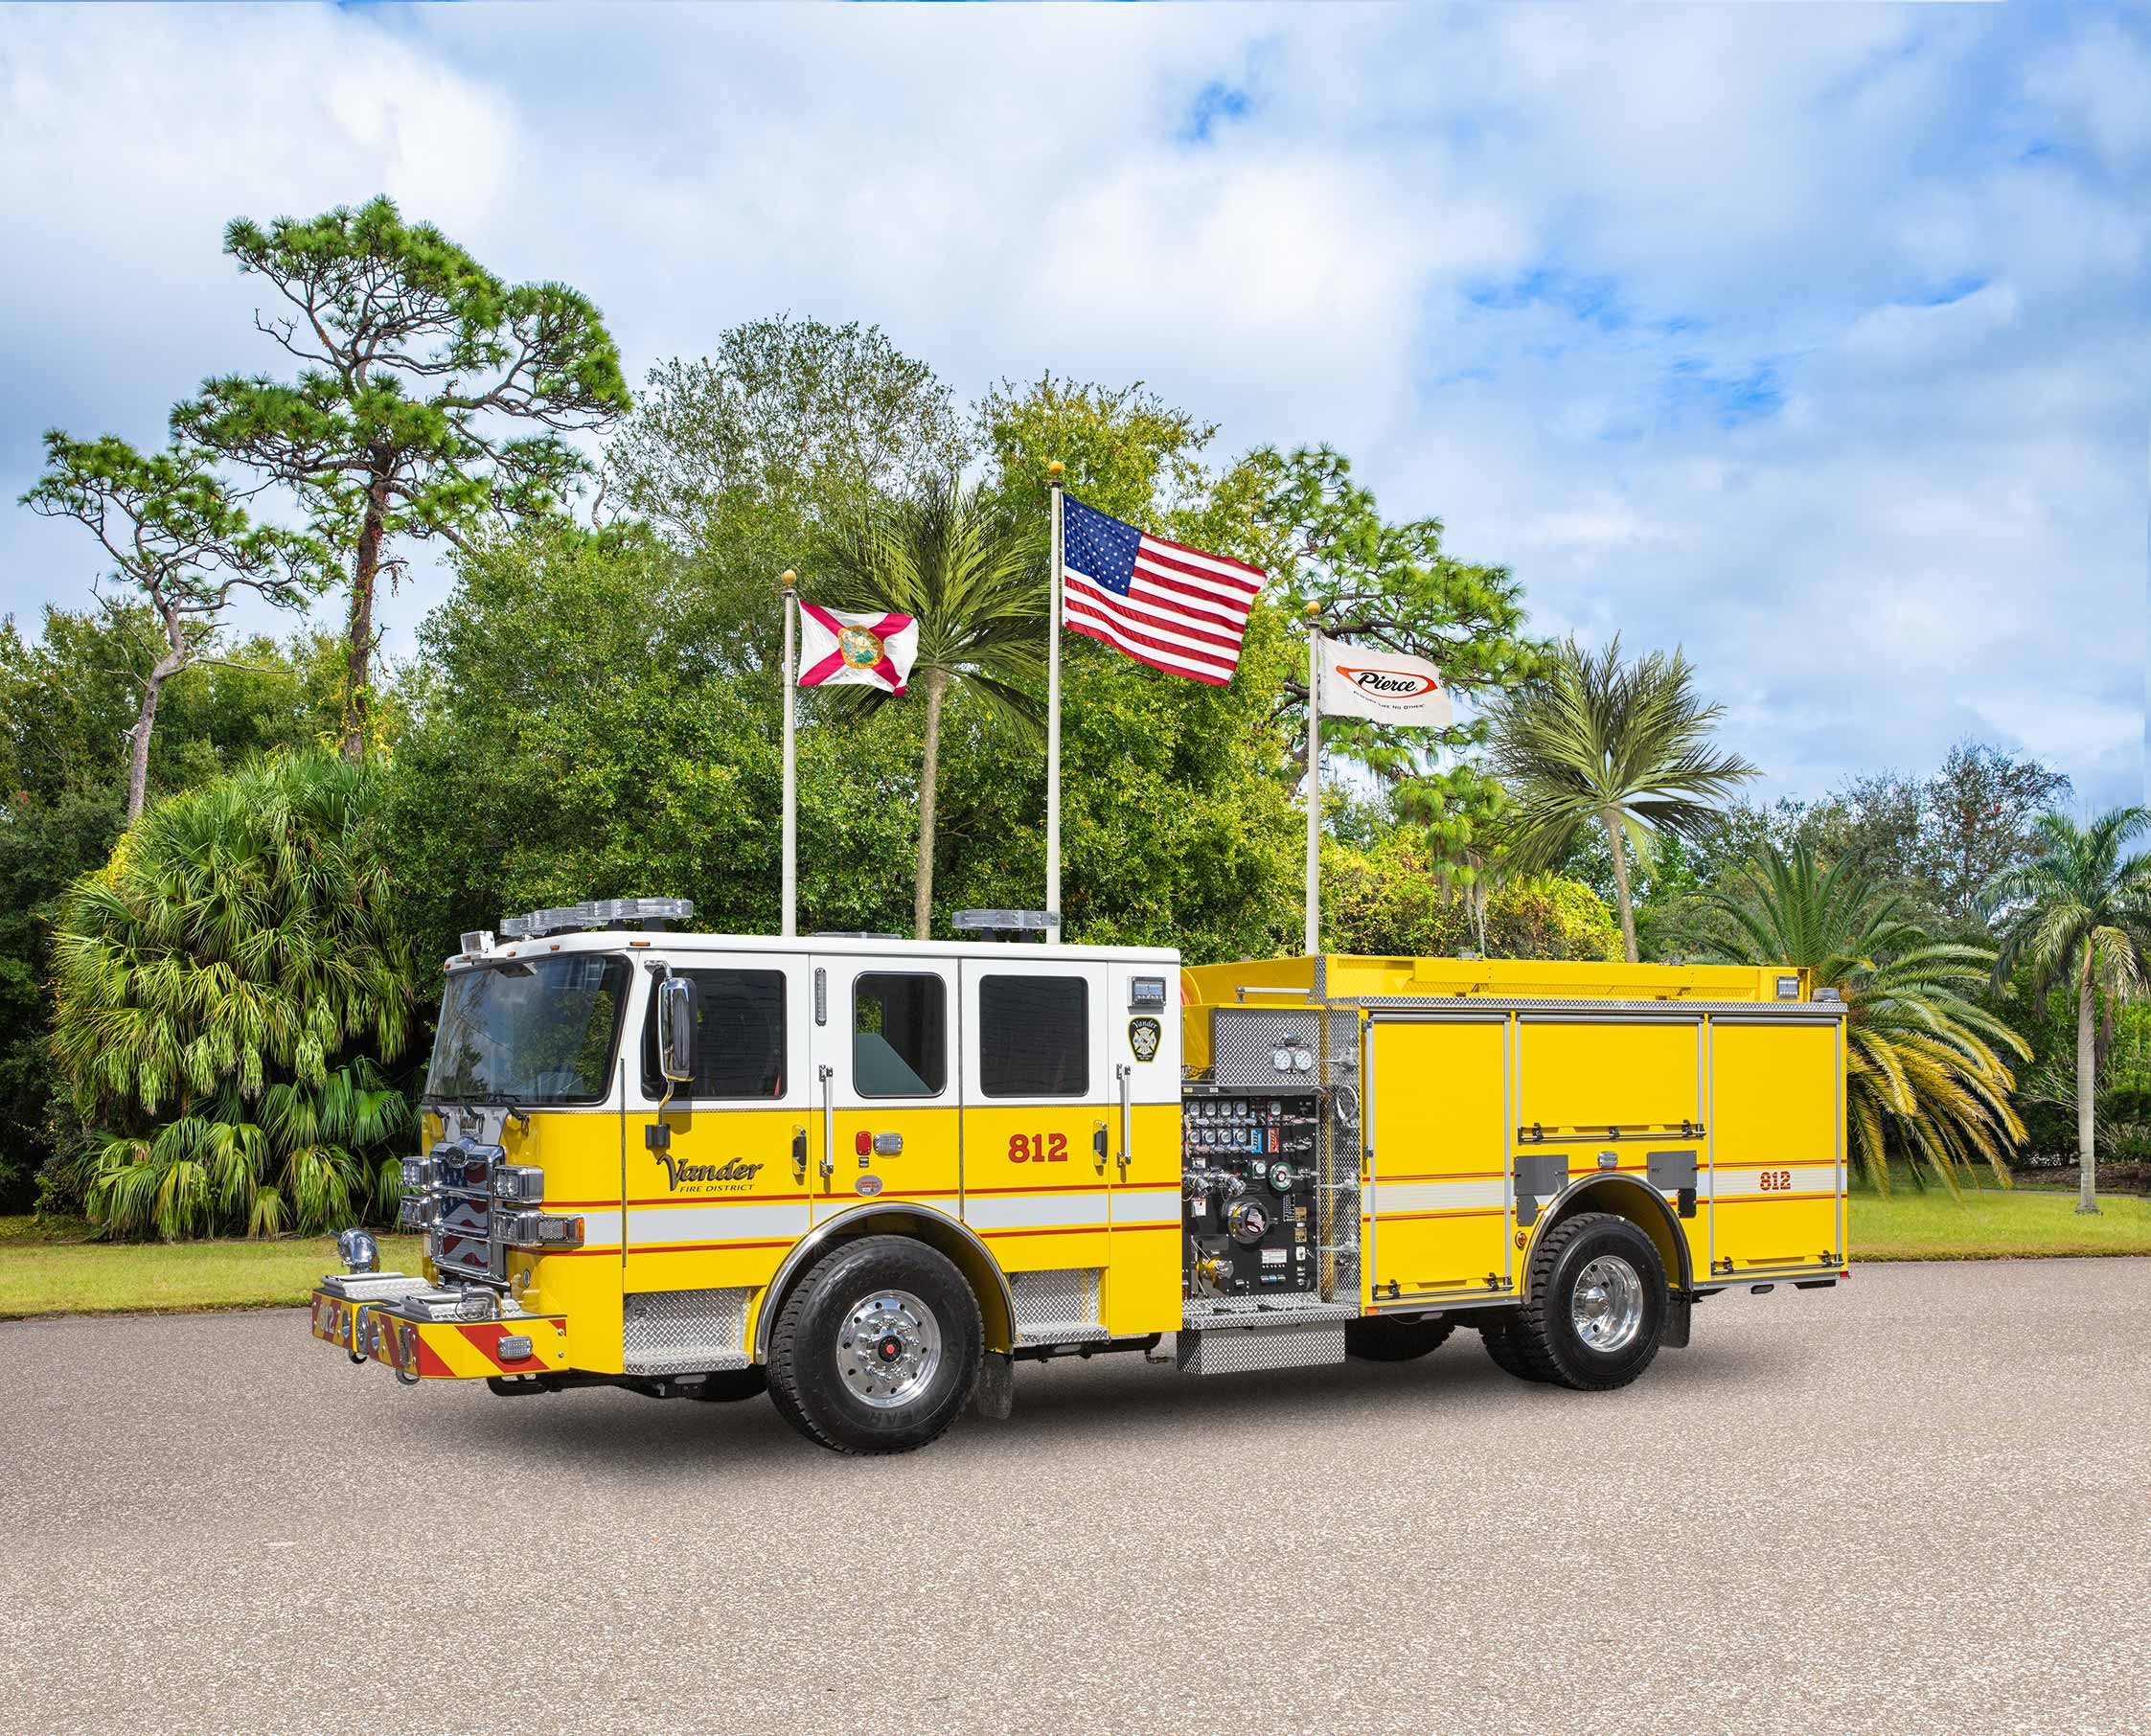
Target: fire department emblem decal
{"x": 1143, "y": 1037}
{"x": 858, "y": 647}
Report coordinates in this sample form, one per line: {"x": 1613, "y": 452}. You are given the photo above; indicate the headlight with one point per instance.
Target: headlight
{"x": 518, "y": 1184}
{"x": 540, "y": 1230}
{"x": 358, "y": 1251}
{"x": 415, "y": 1176}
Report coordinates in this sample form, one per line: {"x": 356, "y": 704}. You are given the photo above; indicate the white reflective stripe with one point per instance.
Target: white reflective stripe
{"x": 665, "y": 1224}
{"x": 1436, "y": 1195}
{"x": 1037, "y": 1211}
{"x": 835, "y": 1205}
{"x": 1133, "y": 1205}
{"x": 1748, "y": 1184}
{"x": 600, "y": 1230}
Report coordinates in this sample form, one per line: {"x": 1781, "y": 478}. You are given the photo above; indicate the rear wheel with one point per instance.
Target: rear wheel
{"x": 1598, "y": 1304}
{"x": 877, "y": 1347}
{"x": 1380, "y": 1340}
{"x": 1506, "y": 1348}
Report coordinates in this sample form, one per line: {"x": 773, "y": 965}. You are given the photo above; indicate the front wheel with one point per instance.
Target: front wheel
{"x": 877, "y": 1347}
{"x": 1598, "y": 1304}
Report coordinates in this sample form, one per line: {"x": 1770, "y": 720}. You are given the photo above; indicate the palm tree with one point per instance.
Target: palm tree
{"x": 2079, "y": 914}
{"x": 224, "y": 990}
{"x": 1626, "y": 746}
{"x": 979, "y": 594}
{"x": 1921, "y": 1067}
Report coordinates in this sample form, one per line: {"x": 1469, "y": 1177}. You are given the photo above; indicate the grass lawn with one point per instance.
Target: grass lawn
{"x": 46, "y": 1270}
{"x": 1993, "y": 1223}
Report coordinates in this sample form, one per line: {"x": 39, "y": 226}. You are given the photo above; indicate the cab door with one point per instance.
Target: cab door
{"x": 885, "y": 1077}
{"x": 1042, "y": 1134}
{"x": 716, "y": 1167}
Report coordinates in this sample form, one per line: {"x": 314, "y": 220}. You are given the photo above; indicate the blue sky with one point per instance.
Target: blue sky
{"x": 1812, "y": 340}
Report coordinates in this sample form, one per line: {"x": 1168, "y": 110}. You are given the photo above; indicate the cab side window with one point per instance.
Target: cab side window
{"x": 900, "y": 1021}
{"x": 739, "y": 1036}
{"x": 1034, "y": 1035}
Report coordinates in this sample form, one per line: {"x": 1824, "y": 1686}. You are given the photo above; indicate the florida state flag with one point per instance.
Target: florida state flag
{"x": 836, "y": 647}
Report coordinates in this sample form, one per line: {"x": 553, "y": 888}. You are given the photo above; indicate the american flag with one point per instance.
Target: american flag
{"x": 1160, "y": 602}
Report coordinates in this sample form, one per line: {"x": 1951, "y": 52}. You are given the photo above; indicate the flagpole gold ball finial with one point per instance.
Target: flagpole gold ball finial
{"x": 789, "y": 578}
{"x": 1313, "y": 609}
{"x": 1054, "y": 470}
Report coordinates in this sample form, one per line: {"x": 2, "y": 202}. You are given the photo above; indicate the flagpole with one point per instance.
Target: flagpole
{"x": 791, "y": 927}
{"x": 1053, "y": 724}
{"x": 1314, "y": 782}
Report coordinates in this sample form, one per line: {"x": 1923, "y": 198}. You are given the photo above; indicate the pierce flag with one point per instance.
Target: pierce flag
{"x": 1387, "y": 686}
{"x": 841, "y": 647}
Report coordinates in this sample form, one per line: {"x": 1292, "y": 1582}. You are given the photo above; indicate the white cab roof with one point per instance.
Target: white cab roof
{"x": 826, "y": 945}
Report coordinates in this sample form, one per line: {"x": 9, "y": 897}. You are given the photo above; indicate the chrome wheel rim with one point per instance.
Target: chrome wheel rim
{"x": 890, "y": 1348}
{"x": 1606, "y": 1308}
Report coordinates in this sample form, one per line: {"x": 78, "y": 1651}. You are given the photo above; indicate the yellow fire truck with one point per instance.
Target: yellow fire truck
{"x": 868, "y": 1176}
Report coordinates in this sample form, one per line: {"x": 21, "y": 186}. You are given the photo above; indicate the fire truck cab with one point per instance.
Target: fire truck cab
{"x": 870, "y": 1174}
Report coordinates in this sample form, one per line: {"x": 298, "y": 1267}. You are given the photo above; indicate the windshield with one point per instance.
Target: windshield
{"x": 536, "y": 1032}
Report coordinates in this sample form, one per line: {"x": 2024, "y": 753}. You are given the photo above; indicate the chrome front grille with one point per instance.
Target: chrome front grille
{"x": 452, "y": 1201}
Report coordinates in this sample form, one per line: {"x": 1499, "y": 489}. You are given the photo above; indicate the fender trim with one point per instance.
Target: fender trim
{"x": 1564, "y": 1203}
{"x": 828, "y": 1230}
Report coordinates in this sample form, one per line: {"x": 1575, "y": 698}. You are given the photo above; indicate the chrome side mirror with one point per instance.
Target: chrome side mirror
{"x": 675, "y": 1029}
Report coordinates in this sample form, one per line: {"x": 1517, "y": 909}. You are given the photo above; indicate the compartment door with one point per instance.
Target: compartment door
{"x": 1438, "y": 1102}
{"x": 1594, "y": 1081}
{"x": 1777, "y": 1177}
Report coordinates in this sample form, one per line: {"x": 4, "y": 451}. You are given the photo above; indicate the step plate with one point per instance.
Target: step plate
{"x": 1243, "y": 1349}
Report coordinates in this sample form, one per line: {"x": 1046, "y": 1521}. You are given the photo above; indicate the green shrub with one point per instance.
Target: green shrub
{"x": 1390, "y": 900}
{"x": 229, "y": 989}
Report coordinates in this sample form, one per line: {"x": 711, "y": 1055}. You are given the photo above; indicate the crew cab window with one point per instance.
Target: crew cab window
{"x": 899, "y": 1035}
{"x": 1034, "y": 1035}
{"x": 739, "y": 1036}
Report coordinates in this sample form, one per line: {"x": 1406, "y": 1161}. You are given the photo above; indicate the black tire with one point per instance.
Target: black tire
{"x": 729, "y": 1385}
{"x": 1380, "y": 1340}
{"x": 1547, "y": 1331}
{"x": 1505, "y": 1347}
{"x": 895, "y": 1385}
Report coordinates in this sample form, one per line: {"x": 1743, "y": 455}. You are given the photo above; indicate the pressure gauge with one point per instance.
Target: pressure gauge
{"x": 1281, "y": 1177}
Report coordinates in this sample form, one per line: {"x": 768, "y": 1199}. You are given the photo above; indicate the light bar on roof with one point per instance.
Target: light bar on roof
{"x": 595, "y": 913}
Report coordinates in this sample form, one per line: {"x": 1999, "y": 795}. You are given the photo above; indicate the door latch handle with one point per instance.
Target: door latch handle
{"x": 1127, "y": 1119}
{"x": 799, "y": 1154}
{"x": 1098, "y": 1145}
{"x": 827, "y": 1124}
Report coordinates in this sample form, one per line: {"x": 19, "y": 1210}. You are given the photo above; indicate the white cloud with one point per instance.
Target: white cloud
{"x": 1812, "y": 340}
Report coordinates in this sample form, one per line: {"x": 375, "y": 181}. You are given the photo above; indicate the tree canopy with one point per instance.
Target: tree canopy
{"x": 417, "y": 367}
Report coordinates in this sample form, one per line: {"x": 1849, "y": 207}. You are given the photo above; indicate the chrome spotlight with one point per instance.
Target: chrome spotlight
{"x": 358, "y": 1251}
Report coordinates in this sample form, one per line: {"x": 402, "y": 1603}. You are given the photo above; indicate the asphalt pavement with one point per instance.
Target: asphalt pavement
{"x": 1916, "y": 1503}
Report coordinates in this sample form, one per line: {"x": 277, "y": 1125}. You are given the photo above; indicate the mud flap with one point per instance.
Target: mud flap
{"x": 1679, "y": 1311}
{"x": 995, "y": 1396}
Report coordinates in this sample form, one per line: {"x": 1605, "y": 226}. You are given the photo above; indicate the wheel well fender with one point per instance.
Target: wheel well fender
{"x": 1624, "y": 1196}
{"x": 960, "y": 1245}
